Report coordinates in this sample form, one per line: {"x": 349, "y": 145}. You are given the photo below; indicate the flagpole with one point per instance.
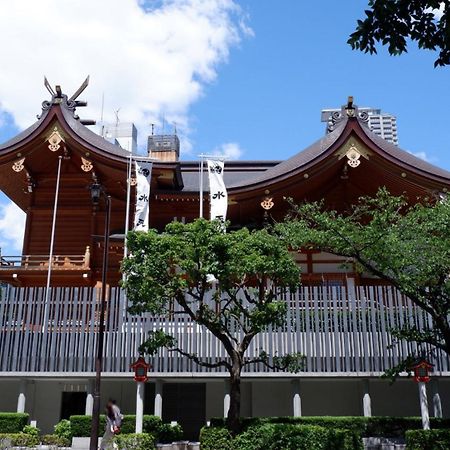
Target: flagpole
{"x": 52, "y": 242}
{"x": 127, "y": 214}
{"x": 201, "y": 186}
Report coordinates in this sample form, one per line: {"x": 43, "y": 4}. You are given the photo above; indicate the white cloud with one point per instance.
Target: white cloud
{"x": 231, "y": 150}
{"x": 438, "y": 12}
{"x": 148, "y": 58}
{"x": 421, "y": 155}
{"x": 12, "y": 225}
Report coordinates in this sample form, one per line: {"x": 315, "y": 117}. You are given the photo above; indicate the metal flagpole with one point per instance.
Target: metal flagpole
{"x": 52, "y": 241}
{"x": 201, "y": 186}
{"x": 127, "y": 214}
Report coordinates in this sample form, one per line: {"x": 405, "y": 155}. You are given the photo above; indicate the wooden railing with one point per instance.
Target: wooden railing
{"x": 41, "y": 262}
{"x": 338, "y": 329}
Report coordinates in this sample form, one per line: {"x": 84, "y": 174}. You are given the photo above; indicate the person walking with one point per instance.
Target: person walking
{"x": 113, "y": 424}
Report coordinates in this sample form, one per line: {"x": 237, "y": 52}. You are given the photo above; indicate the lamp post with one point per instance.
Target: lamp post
{"x": 421, "y": 377}
{"x": 96, "y": 192}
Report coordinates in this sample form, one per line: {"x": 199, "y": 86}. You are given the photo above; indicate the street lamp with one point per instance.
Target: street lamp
{"x": 422, "y": 370}
{"x": 96, "y": 192}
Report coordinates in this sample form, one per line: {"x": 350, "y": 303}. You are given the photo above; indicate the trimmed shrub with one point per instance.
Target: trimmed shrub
{"x": 54, "y": 440}
{"x": 216, "y": 438}
{"x": 366, "y": 426}
{"x": 428, "y": 439}
{"x": 63, "y": 429}
{"x": 80, "y": 426}
{"x": 144, "y": 441}
{"x": 271, "y": 436}
{"x": 18, "y": 440}
{"x": 168, "y": 433}
{"x": 12, "y": 422}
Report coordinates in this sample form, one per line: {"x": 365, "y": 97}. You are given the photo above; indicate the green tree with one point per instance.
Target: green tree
{"x": 394, "y": 22}
{"x": 406, "y": 244}
{"x": 249, "y": 269}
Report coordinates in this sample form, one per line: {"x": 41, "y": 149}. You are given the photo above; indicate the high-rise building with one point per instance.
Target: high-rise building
{"x": 381, "y": 123}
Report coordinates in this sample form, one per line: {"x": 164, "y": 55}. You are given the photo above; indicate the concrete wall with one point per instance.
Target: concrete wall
{"x": 269, "y": 397}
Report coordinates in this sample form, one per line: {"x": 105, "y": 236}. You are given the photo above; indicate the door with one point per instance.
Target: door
{"x": 185, "y": 403}
{"x": 73, "y": 403}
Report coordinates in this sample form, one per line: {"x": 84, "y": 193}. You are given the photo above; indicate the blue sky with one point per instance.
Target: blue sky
{"x": 258, "y": 87}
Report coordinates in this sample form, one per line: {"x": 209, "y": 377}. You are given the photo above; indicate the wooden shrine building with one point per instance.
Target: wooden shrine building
{"x": 343, "y": 363}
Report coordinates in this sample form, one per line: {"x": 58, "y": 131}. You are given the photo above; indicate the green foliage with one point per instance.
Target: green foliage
{"x": 376, "y": 426}
{"x": 394, "y": 22}
{"x": 216, "y": 438}
{"x": 276, "y": 436}
{"x": 172, "y": 271}
{"x": 56, "y": 441}
{"x": 406, "y": 245}
{"x": 12, "y": 422}
{"x": 81, "y": 425}
{"x": 142, "y": 441}
{"x": 428, "y": 439}
{"x": 168, "y": 433}
{"x": 8, "y": 440}
{"x": 63, "y": 429}
{"x": 32, "y": 431}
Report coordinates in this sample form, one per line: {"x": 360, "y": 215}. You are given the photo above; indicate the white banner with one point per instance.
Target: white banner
{"x": 217, "y": 191}
{"x": 143, "y": 180}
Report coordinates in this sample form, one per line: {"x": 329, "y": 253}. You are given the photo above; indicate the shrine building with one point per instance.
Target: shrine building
{"x": 48, "y": 339}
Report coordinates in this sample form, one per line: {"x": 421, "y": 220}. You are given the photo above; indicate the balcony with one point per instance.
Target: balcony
{"x": 33, "y": 269}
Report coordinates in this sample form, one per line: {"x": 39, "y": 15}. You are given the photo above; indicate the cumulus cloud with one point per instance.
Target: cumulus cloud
{"x": 150, "y": 59}
{"x": 12, "y": 225}
{"x": 231, "y": 150}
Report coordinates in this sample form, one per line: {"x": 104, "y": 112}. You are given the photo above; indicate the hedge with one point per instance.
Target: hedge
{"x": 54, "y": 440}
{"x": 378, "y": 426}
{"x": 428, "y": 439}
{"x": 144, "y": 441}
{"x": 152, "y": 425}
{"x": 271, "y": 436}
{"x": 12, "y": 422}
{"x": 18, "y": 440}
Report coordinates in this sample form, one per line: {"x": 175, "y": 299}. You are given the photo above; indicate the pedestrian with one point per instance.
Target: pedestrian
{"x": 113, "y": 424}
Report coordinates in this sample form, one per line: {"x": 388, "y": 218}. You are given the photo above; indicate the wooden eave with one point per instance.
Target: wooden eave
{"x": 316, "y": 161}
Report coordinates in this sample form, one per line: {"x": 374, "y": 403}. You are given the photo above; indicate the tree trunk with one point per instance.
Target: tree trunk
{"x": 234, "y": 413}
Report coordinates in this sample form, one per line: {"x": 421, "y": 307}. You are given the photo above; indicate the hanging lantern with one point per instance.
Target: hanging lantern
{"x": 422, "y": 369}
{"x": 140, "y": 368}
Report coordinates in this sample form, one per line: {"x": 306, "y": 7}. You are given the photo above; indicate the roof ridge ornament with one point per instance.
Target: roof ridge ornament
{"x": 58, "y": 98}
{"x": 348, "y": 111}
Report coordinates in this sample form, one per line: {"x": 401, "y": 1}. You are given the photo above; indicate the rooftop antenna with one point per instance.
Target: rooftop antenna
{"x": 101, "y": 114}
{"x": 153, "y": 128}
{"x": 116, "y": 113}
{"x": 163, "y": 124}
{"x": 175, "y": 128}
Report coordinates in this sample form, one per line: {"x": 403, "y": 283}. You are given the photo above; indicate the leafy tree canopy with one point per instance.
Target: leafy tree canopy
{"x": 394, "y": 22}
{"x": 227, "y": 282}
{"x": 407, "y": 245}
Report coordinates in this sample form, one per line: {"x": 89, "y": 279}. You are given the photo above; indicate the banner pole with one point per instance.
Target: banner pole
{"x": 201, "y": 186}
